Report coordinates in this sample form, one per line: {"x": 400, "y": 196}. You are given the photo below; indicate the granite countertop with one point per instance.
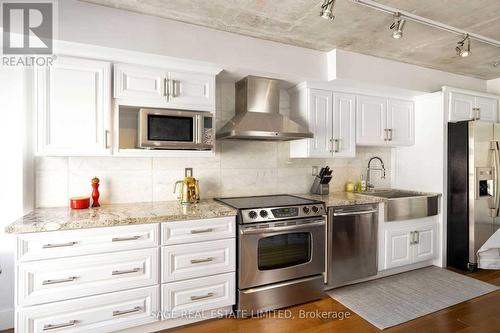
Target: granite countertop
{"x": 52, "y": 219}
{"x": 338, "y": 199}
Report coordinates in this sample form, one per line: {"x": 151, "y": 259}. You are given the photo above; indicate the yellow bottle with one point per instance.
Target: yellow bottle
{"x": 349, "y": 186}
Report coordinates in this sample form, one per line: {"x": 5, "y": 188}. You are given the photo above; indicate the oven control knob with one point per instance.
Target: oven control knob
{"x": 315, "y": 209}
{"x": 306, "y": 210}
{"x": 263, "y": 213}
{"x": 252, "y": 214}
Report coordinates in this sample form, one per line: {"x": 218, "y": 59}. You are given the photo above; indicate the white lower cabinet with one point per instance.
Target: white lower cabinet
{"x": 410, "y": 244}
{"x": 109, "y": 279}
{"x": 104, "y": 313}
{"x": 61, "y": 279}
{"x": 69, "y": 243}
{"x": 188, "y": 261}
{"x": 183, "y": 297}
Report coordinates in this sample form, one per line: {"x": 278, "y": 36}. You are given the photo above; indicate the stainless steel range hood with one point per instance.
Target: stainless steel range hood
{"x": 257, "y": 114}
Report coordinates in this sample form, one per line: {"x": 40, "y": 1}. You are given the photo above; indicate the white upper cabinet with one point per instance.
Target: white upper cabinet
{"x": 487, "y": 109}
{"x": 464, "y": 107}
{"x": 344, "y": 124}
{"x": 157, "y": 87}
{"x": 371, "y": 123}
{"x": 192, "y": 90}
{"x": 384, "y": 122}
{"x": 320, "y": 123}
{"x": 330, "y": 116}
{"x": 401, "y": 122}
{"x": 139, "y": 82}
{"x": 73, "y": 107}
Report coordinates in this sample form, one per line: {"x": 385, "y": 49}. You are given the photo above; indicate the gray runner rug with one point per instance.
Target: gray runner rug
{"x": 396, "y": 299}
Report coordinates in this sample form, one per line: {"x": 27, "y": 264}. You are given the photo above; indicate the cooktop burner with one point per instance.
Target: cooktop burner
{"x": 274, "y": 207}
{"x": 266, "y": 201}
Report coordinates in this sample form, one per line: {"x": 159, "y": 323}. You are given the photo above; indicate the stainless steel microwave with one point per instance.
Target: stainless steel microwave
{"x": 172, "y": 129}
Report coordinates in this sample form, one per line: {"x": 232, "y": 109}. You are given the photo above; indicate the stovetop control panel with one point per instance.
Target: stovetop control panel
{"x": 281, "y": 213}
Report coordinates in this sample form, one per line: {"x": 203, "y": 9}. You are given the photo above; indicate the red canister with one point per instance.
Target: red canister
{"x": 79, "y": 202}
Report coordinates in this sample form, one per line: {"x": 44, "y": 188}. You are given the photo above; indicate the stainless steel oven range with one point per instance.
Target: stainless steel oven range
{"x": 281, "y": 251}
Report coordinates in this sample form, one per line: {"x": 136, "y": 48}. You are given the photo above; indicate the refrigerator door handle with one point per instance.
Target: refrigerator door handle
{"x": 497, "y": 180}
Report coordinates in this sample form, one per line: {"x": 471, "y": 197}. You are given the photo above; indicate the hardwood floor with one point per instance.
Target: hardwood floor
{"x": 478, "y": 315}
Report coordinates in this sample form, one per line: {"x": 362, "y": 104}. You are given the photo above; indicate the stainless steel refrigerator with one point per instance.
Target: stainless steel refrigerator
{"x": 473, "y": 192}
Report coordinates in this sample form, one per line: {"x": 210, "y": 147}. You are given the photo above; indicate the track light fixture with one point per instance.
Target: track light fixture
{"x": 463, "y": 47}
{"x": 397, "y": 26}
{"x": 327, "y": 9}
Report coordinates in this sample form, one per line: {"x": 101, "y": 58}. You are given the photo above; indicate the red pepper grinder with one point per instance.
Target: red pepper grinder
{"x": 95, "y": 192}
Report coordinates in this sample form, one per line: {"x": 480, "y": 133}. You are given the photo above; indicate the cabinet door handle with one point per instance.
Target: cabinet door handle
{"x": 202, "y": 231}
{"x": 195, "y": 298}
{"x": 390, "y": 134}
{"x": 50, "y": 246}
{"x": 199, "y": 261}
{"x": 175, "y": 88}
{"x": 336, "y": 145}
{"x": 417, "y": 237}
{"x": 120, "y": 313}
{"x": 165, "y": 87}
{"x": 124, "y": 239}
{"x": 107, "y": 139}
{"x": 412, "y": 238}
{"x": 130, "y": 271}
{"x": 478, "y": 113}
{"x": 49, "y": 327}
{"x": 69, "y": 279}
{"x": 171, "y": 91}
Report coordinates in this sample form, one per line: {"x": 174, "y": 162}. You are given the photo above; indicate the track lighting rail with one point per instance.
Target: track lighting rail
{"x": 425, "y": 21}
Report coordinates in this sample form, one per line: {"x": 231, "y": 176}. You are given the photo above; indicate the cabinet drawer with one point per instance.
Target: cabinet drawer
{"x": 179, "y": 298}
{"x": 186, "y": 261}
{"x": 59, "y": 244}
{"x": 198, "y": 230}
{"x": 60, "y": 279}
{"x": 104, "y": 313}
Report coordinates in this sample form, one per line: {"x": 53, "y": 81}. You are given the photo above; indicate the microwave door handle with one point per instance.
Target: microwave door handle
{"x": 198, "y": 129}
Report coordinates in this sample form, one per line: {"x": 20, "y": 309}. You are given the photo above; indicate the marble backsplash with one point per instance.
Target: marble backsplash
{"x": 238, "y": 168}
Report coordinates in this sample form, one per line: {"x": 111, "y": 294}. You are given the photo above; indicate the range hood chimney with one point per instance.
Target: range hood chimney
{"x": 257, "y": 114}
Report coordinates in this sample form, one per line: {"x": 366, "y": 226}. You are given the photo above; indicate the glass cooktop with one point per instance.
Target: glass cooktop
{"x": 281, "y": 200}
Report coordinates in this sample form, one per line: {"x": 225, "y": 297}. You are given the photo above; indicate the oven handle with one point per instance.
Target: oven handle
{"x": 285, "y": 228}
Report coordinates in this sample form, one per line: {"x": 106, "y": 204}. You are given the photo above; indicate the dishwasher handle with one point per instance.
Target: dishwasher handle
{"x": 360, "y": 212}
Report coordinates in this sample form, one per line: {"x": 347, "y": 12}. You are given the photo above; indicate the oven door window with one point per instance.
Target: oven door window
{"x": 284, "y": 250}
{"x": 170, "y": 128}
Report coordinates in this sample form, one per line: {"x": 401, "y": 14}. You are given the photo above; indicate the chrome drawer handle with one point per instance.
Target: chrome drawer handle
{"x": 70, "y": 279}
{"x": 199, "y": 261}
{"x": 56, "y": 326}
{"x": 201, "y": 231}
{"x": 120, "y": 313}
{"x": 49, "y": 246}
{"x": 135, "y": 270}
{"x": 124, "y": 239}
{"x": 195, "y": 298}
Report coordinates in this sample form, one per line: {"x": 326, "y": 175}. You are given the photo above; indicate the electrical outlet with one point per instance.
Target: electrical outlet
{"x": 315, "y": 170}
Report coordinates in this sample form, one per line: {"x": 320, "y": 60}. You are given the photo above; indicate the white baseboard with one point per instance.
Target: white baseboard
{"x": 6, "y": 319}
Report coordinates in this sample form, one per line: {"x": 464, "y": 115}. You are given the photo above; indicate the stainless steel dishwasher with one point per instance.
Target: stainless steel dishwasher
{"x": 352, "y": 244}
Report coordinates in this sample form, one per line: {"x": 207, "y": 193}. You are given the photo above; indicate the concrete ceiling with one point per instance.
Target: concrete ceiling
{"x": 356, "y": 28}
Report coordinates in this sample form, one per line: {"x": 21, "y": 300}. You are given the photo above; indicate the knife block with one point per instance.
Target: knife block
{"x": 318, "y": 188}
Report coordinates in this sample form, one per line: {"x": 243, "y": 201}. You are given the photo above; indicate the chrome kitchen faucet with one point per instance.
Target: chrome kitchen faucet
{"x": 369, "y": 168}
